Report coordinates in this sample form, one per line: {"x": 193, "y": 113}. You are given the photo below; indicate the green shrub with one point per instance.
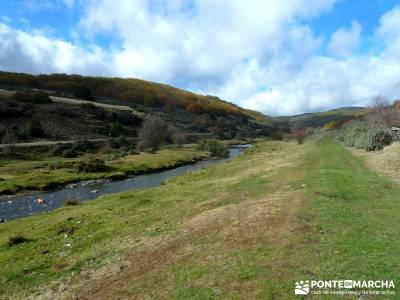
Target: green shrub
{"x": 62, "y": 165}
{"x": 351, "y": 132}
{"x": 277, "y": 136}
{"x": 16, "y": 240}
{"x": 215, "y": 147}
{"x": 69, "y": 153}
{"x": 82, "y": 92}
{"x": 373, "y": 139}
{"x": 42, "y": 98}
{"x": 116, "y": 129}
{"x": 71, "y": 202}
{"x": 90, "y": 165}
{"x": 362, "y": 136}
{"x": 32, "y": 97}
{"x": 34, "y": 127}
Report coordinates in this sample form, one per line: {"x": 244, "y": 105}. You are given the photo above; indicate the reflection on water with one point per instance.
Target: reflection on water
{"x": 25, "y": 205}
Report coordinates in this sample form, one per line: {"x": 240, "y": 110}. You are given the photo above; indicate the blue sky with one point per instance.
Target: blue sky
{"x": 279, "y": 57}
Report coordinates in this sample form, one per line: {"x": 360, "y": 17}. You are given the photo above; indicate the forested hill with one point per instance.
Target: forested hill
{"x": 325, "y": 118}
{"x": 185, "y": 110}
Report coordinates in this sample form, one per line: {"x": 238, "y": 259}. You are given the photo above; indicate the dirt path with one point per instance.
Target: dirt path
{"x": 50, "y": 143}
{"x": 71, "y": 101}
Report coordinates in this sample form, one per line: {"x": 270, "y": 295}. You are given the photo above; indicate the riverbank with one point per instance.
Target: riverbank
{"x": 20, "y": 175}
{"x": 25, "y": 205}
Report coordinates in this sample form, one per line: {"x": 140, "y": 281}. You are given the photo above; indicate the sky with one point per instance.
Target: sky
{"x": 280, "y": 57}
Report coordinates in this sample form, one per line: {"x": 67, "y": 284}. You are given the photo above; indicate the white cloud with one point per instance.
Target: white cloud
{"x": 37, "y": 53}
{"x": 344, "y": 42}
{"x": 258, "y": 53}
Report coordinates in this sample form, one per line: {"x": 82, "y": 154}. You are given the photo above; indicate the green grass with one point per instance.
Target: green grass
{"x": 356, "y": 213}
{"x": 348, "y": 225}
{"x": 247, "y": 229}
{"x": 20, "y": 175}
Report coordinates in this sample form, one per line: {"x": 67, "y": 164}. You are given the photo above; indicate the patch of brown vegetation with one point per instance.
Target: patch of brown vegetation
{"x": 385, "y": 162}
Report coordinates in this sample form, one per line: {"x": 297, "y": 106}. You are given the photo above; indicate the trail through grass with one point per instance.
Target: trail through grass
{"x": 348, "y": 227}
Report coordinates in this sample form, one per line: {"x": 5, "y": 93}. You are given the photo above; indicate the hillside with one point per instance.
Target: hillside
{"x": 185, "y": 111}
{"x": 319, "y": 119}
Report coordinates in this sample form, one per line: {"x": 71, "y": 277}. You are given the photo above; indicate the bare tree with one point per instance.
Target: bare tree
{"x": 9, "y": 139}
{"x": 152, "y": 134}
{"x": 381, "y": 113}
{"x": 178, "y": 137}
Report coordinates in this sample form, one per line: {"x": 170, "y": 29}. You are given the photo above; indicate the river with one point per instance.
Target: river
{"x": 24, "y": 205}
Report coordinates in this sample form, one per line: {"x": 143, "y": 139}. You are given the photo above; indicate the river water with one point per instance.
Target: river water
{"x": 19, "y": 206}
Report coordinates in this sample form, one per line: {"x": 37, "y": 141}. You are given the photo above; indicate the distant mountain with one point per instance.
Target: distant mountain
{"x": 319, "y": 119}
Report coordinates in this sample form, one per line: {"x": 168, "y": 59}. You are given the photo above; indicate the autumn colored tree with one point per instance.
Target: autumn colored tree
{"x": 194, "y": 108}
{"x": 299, "y": 135}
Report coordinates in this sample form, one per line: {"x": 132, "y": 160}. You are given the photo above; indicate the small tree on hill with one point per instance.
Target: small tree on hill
{"x": 381, "y": 113}
{"x": 33, "y": 127}
{"x": 82, "y": 92}
{"x": 152, "y": 133}
{"x": 299, "y": 135}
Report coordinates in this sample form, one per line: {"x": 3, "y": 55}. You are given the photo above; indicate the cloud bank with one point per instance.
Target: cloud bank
{"x": 259, "y": 54}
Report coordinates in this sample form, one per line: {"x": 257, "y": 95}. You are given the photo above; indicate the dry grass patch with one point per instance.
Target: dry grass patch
{"x": 385, "y": 162}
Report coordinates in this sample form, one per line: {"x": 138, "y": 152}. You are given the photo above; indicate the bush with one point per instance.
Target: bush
{"x": 299, "y": 135}
{"x": 277, "y": 136}
{"x": 179, "y": 138}
{"x": 115, "y": 155}
{"x": 215, "y": 147}
{"x": 62, "y": 165}
{"x": 32, "y": 97}
{"x": 82, "y": 92}
{"x": 152, "y": 134}
{"x": 69, "y": 153}
{"x": 42, "y": 98}
{"x": 90, "y": 165}
{"x": 362, "y": 136}
{"x": 116, "y": 129}
{"x": 117, "y": 143}
{"x": 84, "y": 146}
{"x": 350, "y": 132}
{"x": 16, "y": 240}
{"x": 71, "y": 202}
{"x": 34, "y": 127}
{"x": 373, "y": 139}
